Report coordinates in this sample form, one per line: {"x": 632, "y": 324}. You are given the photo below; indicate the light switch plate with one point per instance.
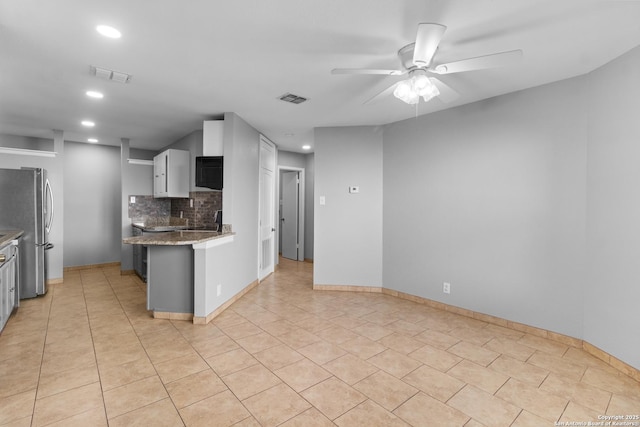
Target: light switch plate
{"x": 132, "y": 199}
{"x": 322, "y": 201}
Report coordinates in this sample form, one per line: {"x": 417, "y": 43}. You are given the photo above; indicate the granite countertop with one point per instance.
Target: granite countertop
{"x": 183, "y": 237}
{"x": 6, "y": 236}
{"x": 161, "y": 223}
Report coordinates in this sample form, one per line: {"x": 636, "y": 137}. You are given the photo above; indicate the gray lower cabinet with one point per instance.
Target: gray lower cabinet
{"x": 170, "y": 278}
{"x": 8, "y": 282}
{"x": 139, "y": 256}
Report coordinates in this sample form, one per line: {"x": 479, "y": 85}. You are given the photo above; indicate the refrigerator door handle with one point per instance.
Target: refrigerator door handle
{"x": 50, "y": 192}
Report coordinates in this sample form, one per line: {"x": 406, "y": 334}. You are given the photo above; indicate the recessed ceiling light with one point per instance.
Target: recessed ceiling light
{"x": 94, "y": 94}
{"x": 88, "y": 123}
{"x": 108, "y": 31}
{"x": 92, "y": 140}
{"x": 306, "y": 147}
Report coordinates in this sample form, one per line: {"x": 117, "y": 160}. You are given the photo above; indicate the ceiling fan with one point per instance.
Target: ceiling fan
{"x": 416, "y": 59}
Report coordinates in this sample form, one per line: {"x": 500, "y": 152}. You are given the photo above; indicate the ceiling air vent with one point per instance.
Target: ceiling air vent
{"x": 294, "y": 99}
{"x": 114, "y": 76}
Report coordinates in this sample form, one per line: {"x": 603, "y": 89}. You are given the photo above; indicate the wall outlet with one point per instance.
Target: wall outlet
{"x": 219, "y": 289}
{"x": 446, "y": 287}
{"x": 132, "y": 199}
{"x": 190, "y": 203}
{"x": 354, "y": 189}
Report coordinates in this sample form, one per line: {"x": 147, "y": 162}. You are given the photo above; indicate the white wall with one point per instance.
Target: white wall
{"x": 612, "y": 285}
{"x": 490, "y": 197}
{"x": 348, "y": 229}
{"x": 91, "y": 204}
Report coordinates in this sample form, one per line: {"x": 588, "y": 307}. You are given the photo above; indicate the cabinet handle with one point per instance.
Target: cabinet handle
{"x": 3, "y": 257}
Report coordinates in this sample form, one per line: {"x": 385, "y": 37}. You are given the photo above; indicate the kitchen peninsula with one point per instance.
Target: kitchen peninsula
{"x": 175, "y": 272}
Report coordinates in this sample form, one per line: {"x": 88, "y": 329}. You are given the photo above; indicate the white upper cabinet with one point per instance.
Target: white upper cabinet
{"x": 212, "y": 138}
{"x": 171, "y": 174}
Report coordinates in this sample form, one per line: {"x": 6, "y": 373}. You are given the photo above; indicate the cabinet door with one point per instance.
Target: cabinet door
{"x": 6, "y": 305}
{"x": 178, "y": 173}
{"x": 4, "y": 295}
{"x": 160, "y": 174}
{"x": 171, "y": 174}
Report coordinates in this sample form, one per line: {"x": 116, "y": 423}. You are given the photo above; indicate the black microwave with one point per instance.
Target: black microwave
{"x": 209, "y": 172}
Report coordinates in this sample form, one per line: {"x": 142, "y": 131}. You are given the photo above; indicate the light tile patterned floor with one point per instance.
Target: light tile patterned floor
{"x": 89, "y": 354}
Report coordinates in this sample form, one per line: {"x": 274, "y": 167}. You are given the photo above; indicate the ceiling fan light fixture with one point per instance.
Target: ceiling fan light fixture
{"x": 421, "y": 82}
{"x": 430, "y": 93}
{"x": 402, "y": 89}
{"x": 419, "y": 85}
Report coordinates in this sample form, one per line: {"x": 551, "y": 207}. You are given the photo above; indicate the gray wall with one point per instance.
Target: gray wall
{"x": 288, "y": 158}
{"x": 136, "y": 179}
{"x": 91, "y": 204}
{"x": 526, "y": 203}
{"x": 26, "y": 142}
{"x": 612, "y": 285}
{"x": 303, "y": 161}
{"x": 348, "y": 229}
{"x": 309, "y": 201}
{"x": 490, "y": 197}
{"x": 54, "y": 167}
{"x": 240, "y": 201}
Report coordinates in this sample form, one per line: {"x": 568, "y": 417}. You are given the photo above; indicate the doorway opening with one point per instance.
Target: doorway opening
{"x": 291, "y": 212}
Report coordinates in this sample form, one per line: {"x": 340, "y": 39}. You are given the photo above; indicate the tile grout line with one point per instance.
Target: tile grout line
{"x": 315, "y": 309}
{"x": 44, "y": 346}
{"x": 93, "y": 344}
{"x": 147, "y": 354}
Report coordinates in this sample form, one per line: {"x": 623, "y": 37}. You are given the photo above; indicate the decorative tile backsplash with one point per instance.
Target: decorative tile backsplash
{"x": 205, "y": 204}
{"x": 167, "y": 211}
{"x": 149, "y": 206}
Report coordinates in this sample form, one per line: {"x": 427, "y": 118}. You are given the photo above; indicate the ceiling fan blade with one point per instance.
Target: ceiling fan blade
{"x": 480, "y": 62}
{"x": 367, "y": 71}
{"x": 380, "y": 95}
{"x": 447, "y": 94}
{"x": 427, "y": 41}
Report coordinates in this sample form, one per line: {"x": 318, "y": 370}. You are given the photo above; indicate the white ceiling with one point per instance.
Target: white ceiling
{"x": 194, "y": 60}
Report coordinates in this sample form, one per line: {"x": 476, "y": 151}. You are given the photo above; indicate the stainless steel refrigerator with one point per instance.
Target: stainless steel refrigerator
{"x": 26, "y": 203}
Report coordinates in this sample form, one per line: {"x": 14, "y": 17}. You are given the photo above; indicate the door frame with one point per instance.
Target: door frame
{"x": 301, "y": 210}
{"x": 262, "y": 273}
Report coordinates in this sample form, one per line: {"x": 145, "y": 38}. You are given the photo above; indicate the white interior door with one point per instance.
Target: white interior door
{"x": 267, "y": 216}
{"x": 289, "y": 219}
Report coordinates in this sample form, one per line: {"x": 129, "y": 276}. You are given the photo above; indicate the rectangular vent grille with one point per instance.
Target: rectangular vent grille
{"x": 294, "y": 99}
{"x": 114, "y": 76}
